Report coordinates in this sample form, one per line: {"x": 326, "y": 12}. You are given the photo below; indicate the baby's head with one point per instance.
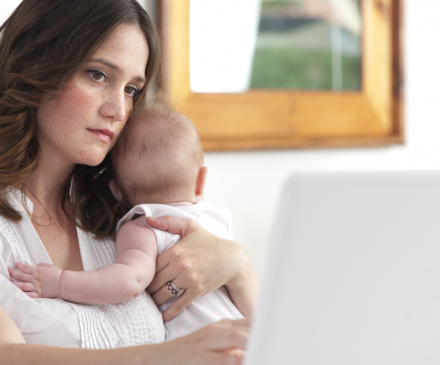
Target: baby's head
{"x": 158, "y": 159}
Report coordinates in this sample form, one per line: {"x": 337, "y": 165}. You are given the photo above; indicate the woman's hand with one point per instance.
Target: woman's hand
{"x": 222, "y": 342}
{"x": 201, "y": 263}
{"x": 219, "y": 343}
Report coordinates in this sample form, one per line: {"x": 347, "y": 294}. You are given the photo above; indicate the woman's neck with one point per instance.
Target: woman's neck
{"x": 47, "y": 181}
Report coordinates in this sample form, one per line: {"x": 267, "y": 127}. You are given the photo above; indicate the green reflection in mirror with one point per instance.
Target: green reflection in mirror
{"x": 308, "y": 45}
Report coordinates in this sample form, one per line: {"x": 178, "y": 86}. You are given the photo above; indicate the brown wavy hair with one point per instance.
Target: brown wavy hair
{"x": 43, "y": 45}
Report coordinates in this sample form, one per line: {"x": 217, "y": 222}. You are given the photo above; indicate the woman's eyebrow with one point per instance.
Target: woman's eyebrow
{"x": 140, "y": 79}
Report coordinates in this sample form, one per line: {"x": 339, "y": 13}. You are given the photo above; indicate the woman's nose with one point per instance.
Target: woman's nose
{"x": 115, "y": 106}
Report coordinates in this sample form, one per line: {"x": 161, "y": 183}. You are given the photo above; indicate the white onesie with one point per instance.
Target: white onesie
{"x": 213, "y": 306}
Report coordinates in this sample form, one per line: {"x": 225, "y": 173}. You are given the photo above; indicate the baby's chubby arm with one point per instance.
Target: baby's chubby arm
{"x": 125, "y": 279}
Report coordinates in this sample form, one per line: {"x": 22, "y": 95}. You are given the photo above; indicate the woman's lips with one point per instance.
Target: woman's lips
{"x": 104, "y": 135}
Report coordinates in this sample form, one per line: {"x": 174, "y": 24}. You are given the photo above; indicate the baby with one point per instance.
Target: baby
{"x": 157, "y": 160}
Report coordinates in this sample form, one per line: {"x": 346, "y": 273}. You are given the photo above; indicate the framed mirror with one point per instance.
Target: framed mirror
{"x": 264, "y": 74}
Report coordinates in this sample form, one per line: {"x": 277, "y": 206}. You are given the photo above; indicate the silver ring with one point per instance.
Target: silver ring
{"x": 174, "y": 289}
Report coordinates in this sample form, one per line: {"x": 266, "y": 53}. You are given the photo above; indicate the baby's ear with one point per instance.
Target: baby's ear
{"x": 201, "y": 178}
{"x": 115, "y": 190}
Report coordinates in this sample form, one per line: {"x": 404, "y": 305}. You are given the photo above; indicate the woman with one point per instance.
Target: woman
{"x": 70, "y": 73}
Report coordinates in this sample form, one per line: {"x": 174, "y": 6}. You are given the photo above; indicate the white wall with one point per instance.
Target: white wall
{"x": 6, "y": 8}
{"x": 248, "y": 183}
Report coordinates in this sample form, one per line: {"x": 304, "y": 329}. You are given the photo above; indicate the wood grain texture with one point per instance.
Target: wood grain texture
{"x": 377, "y": 58}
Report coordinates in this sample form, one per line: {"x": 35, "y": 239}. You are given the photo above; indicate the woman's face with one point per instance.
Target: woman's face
{"x": 81, "y": 125}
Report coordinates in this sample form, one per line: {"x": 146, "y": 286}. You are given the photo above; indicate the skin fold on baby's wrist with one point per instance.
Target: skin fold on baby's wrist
{"x": 58, "y": 289}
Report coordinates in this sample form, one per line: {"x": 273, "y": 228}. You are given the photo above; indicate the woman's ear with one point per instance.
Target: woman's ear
{"x": 201, "y": 178}
{"x": 115, "y": 190}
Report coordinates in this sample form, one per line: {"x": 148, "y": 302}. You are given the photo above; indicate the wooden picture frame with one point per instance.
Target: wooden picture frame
{"x": 270, "y": 119}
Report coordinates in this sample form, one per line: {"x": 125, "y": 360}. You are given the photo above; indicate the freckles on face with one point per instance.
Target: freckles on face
{"x": 82, "y": 123}
{"x": 62, "y": 126}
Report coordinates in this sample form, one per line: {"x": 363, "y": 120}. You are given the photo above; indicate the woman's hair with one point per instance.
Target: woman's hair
{"x": 43, "y": 45}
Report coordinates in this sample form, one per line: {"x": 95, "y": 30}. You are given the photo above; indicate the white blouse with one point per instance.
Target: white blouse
{"x": 57, "y": 322}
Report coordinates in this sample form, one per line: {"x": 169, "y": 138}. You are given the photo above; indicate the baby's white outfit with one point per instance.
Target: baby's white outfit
{"x": 60, "y": 323}
{"x": 213, "y": 306}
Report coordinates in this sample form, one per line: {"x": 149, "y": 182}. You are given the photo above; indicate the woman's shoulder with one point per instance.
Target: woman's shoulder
{"x": 18, "y": 200}
{"x": 10, "y": 230}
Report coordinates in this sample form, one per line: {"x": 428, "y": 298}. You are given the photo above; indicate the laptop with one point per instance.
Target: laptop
{"x": 353, "y": 272}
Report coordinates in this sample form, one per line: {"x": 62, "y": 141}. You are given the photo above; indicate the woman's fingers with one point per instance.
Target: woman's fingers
{"x": 233, "y": 339}
{"x": 162, "y": 295}
{"x": 222, "y": 342}
{"x": 235, "y": 334}
{"x": 200, "y": 263}
{"x": 174, "y": 225}
{"x": 195, "y": 264}
{"x": 169, "y": 265}
{"x": 178, "y": 306}
{"x": 240, "y": 323}
{"x": 236, "y": 352}
{"x": 214, "y": 358}
{"x": 161, "y": 278}
{"x": 224, "y": 359}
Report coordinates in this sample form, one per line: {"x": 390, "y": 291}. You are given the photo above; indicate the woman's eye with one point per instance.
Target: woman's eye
{"x": 97, "y": 75}
{"x": 130, "y": 90}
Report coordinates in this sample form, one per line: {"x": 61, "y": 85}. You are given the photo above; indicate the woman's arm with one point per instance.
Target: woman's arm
{"x": 210, "y": 345}
{"x": 14, "y": 350}
{"x": 9, "y": 333}
{"x": 201, "y": 263}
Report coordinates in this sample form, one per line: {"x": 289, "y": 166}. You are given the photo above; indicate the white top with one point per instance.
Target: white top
{"x": 59, "y": 323}
{"x": 211, "y": 307}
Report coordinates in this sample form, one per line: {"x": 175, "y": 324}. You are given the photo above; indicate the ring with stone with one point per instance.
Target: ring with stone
{"x": 174, "y": 289}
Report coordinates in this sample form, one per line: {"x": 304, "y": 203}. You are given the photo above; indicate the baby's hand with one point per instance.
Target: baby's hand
{"x": 41, "y": 281}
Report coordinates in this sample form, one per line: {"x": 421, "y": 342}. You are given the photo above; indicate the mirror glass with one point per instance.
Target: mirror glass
{"x": 275, "y": 44}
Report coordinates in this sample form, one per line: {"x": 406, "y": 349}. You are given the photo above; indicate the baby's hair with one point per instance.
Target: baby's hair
{"x": 166, "y": 146}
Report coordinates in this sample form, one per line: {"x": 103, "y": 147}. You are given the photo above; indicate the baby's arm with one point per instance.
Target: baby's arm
{"x": 133, "y": 270}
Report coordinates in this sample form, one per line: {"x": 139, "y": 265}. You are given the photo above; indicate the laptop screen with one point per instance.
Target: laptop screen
{"x": 353, "y": 272}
